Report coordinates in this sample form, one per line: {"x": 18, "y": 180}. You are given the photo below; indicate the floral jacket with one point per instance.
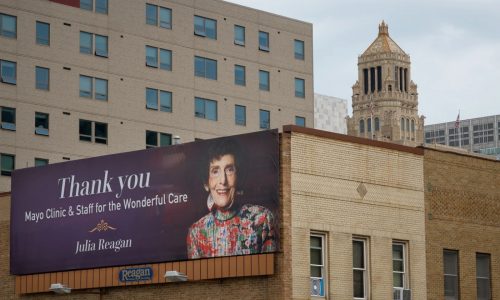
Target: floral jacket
{"x": 221, "y": 233}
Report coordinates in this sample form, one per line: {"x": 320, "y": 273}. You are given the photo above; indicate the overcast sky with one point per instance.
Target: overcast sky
{"x": 454, "y": 47}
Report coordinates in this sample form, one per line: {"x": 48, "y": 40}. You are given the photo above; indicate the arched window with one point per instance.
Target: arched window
{"x": 377, "y": 124}
{"x": 413, "y": 126}
{"x": 402, "y": 124}
{"x": 369, "y": 124}
{"x": 408, "y": 125}
{"x": 361, "y": 126}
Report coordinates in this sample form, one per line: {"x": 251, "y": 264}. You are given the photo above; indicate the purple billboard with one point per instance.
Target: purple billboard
{"x": 209, "y": 198}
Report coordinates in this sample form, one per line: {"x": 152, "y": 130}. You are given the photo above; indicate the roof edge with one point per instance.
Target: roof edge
{"x": 351, "y": 139}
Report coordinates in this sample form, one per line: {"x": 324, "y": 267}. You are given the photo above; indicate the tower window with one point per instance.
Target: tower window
{"x": 372, "y": 80}
{"x": 361, "y": 126}
{"x": 377, "y": 124}
{"x": 379, "y": 78}
{"x": 365, "y": 80}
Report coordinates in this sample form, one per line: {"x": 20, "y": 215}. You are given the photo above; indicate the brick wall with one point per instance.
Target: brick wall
{"x": 462, "y": 202}
{"x": 325, "y": 175}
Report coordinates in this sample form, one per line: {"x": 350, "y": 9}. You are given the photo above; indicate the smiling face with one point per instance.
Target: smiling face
{"x": 222, "y": 180}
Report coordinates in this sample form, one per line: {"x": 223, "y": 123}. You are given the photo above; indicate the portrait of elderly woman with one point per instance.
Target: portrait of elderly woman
{"x": 229, "y": 227}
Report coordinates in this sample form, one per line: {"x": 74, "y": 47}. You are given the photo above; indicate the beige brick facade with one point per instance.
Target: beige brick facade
{"x": 125, "y": 111}
{"x": 326, "y": 171}
{"x": 462, "y": 199}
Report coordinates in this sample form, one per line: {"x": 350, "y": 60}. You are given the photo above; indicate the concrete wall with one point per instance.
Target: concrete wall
{"x": 462, "y": 202}
{"x": 125, "y": 111}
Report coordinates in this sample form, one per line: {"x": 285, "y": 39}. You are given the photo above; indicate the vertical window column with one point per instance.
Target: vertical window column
{"x": 399, "y": 269}
{"x": 483, "y": 276}
{"x": 365, "y": 81}
{"x": 317, "y": 262}
{"x": 451, "y": 275}
{"x": 359, "y": 263}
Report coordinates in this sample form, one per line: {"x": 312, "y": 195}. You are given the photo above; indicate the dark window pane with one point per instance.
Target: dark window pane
{"x": 165, "y": 59}
{"x": 86, "y": 42}
{"x": 358, "y": 284}
{"x": 211, "y": 110}
{"x": 358, "y": 256}
{"x": 8, "y": 71}
{"x": 101, "y": 45}
{"x": 85, "y": 86}
{"x": 6, "y": 164}
{"x": 8, "y": 118}
{"x": 263, "y": 41}
{"x": 165, "y": 101}
{"x": 316, "y": 256}
{"x": 299, "y": 49}
{"x": 86, "y": 4}
{"x": 265, "y": 119}
{"x": 165, "y": 139}
{"x": 151, "y": 14}
{"x": 239, "y": 35}
{"x": 199, "y": 108}
{"x": 211, "y": 69}
{"x": 42, "y": 33}
{"x": 211, "y": 28}
{"x": 300, "y": 121}
{"x": 101, "y": 6}
{"x": 101, "y": 89}
{"x": 299, "y": 88}
{"x": 41, "y": 123}
{"x": 239, "y": 75}
{"x": 101, "y": 133}
{"x": 151, "y": 98}
{"x": 151, "y": 56}
{"x": 40, "y": 162}
{"x": 8, "y": 26}
{"x": 264, "y": 80}
{"x": 240, "y": 115}
{"x": 199, "y": 26}
{"x": 85, "y": 130}
{"x": 151, "y": 138}
{"x": 42, "y": 78}
{"x": 165, "y": 18}
{"x": 199, "y": 66}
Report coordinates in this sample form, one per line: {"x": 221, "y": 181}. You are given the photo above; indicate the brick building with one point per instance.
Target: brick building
{"x": 95, "y": 77}
{"x": 462, "y": 203}
{"x": 352, "y": 214}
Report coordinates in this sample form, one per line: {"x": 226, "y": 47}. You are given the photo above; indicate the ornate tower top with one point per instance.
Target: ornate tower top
{"x": 385, "y": 99}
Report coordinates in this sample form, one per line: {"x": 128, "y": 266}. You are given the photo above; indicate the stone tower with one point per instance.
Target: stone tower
{"x": 384, "y": 98}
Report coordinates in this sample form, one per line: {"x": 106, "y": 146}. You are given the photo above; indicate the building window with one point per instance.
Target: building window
{"x": 42, "y": 78}
{"x": 205, "y": 27}
{"x": 101, "y": 6}
{"x": 165, "y": 58}
{"x": 87, "y": 45}
{"x": 300, "y": 87}
{"x": 359, "y": 269}
{"x": 161, "y": 103}
{"x": 317, "y": 263}
{"x": 399, "y": 269}
{"x": 451, "y": 277}
{"x": 205, "y": 67}
{"x": 86, "y": 87}
{"x": 239, "y": 75}
{"x": 365, "y": 81}
{"x": 8, "y": 118}
{"x": 483, "y": 276}
{"x": 94, "y": 132}
{"x": 239, "y": 35}
{"x": 407, "y": 127}
{"x": 361, "y": 126}
{"x": 42, "y": 33}
{"x": 483, "y": 133}
{"x": 8, "y": 72}
{"x": 41, "y": 123}
{"x": 157, "y": 139}
{"x": 152, "y": 17}
{"x": 8, "y": 26}
{"x": 377, "y": 124}
{"x": 264, "y": 84}
{"x": 240, "y": 115}
{"x": 7, "y": 164}
{"x": 40, "y": 162}
{"x": 264, "y": 119}
{"x": 298, "y": 47}
{"x": 264, "y": 41}
{"x": 369, "y": 125}
{"x": 300, "y": 121}
{"x": 205, "y": 109}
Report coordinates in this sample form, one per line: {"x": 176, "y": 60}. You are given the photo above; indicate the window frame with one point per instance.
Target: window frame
{"x": 94, "y": 92}
{"x": 41, "y": 129}
{"x": 42, "y": 85}
{"x": 264, "y": 86}
{"x": 301, "y": 54}
{"x": 159, "y": 20}
{"x": 322, "y": 267}
{"x": 239, "y": 69}
{"x": 207, "y": 71}
{"x": 302, "y": 121}
{"x": 8, "y": 33}
{"x": 157, "y": 101}
{"x": 404, "y": 273}
{"x": 92, "y": 137}
{"x": 448, "y": 275}
{"x": 203, "y": 32}
{"x": 37, "y": 161}
{"x": 9, "y": 125}
{"x": 262, "y": 122}
{"x": 158, "y": 139}
{"x": 43, "y": 41}
{"x": 95, "y": 48}
{"x": 11, "y": 79}
{"x": 478, "y": 277}
{"x": 238, "y": 29}
{"x": 300, "y": 88}
{"x": 363, "y": 269}
{"x": 204, "y": 114}
{"x": 264, "y": 41}
{"x": 4, "y": 171}
{"x": 242, "y": 109}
